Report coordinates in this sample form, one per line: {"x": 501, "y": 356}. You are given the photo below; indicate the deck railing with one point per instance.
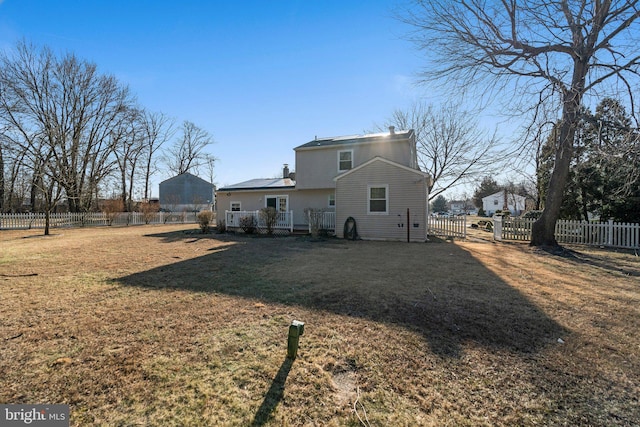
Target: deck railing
{"x": 325, "y": 220}
{"x": 284, "y": 220}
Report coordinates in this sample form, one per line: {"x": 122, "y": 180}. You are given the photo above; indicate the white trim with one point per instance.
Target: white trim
{"x": 345, "y": 151}
{"x": 382, "y": 159}
{"x": 386, "y": 199}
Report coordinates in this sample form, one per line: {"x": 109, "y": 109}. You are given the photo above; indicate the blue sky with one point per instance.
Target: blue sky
{"x": 261, "y": 76}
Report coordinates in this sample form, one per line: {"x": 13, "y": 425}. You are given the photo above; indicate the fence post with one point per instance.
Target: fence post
{"x": 497, "y": 228}
{"x": 610, "y": 233}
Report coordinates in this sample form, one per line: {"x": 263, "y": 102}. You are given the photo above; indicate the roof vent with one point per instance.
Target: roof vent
{"x": 392, "y": 130}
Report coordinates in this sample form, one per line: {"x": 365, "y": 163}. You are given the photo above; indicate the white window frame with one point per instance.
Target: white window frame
{"x": 278, "y": 197}
{"x": 345, "y": 151}
{"x": 331, "y": 202}
{"x": 234, "y": 202}
{"x": 386, "y": 194}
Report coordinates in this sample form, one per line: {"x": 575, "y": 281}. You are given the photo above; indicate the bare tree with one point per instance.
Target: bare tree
{"x": 187, "y": 154}
{"x": 39, "y": 160}
{"x": 562, "y": 50}
{"x": 210, "y": 162}
{"x": 2, "y": 181}
{"x": 16, "y": 177}
{"x": 127, "y": 148}
{"x": 450, "y": 145}
{"x": 66, "y": 109}
{"x": 157, "y": 130}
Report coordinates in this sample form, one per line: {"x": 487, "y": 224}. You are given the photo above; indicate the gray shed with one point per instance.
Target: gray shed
{"x": 186, "y": 192}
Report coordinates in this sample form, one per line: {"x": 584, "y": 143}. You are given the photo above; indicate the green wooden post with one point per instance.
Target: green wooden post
{"x": 295, "y": 330}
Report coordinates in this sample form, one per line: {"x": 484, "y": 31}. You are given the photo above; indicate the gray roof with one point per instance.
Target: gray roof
{"x": 186, "y": 176}
{"x": 357, "y": 139}
{"x": 260, "y": 183}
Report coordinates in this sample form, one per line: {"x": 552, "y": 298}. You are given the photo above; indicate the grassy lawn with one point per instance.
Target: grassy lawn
{"x": 160, "y": 325}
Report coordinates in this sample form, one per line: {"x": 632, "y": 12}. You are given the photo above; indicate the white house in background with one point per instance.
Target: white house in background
{"x": 371, "y": 179}
{"x": 457, "y": 207}
{"x": 502, "y": 200}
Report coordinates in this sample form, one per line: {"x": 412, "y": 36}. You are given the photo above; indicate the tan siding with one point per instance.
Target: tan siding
{"x": 303, "y": 199}
{"x": 252, "y": 200}
{"x": 316, "y": 168}
{"x": 407, "y": 190}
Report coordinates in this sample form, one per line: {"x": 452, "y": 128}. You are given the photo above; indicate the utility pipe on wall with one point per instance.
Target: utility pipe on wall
{"x": 408, "y": 227}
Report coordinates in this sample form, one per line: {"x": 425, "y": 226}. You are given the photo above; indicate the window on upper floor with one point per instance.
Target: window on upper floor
{"x": 345, "y": 160}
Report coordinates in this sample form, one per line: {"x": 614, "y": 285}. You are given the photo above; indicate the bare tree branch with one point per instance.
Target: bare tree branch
{"x": 450, "y": 145}
{"x": 187, "y": 153}
{"x": 566, "y": 48}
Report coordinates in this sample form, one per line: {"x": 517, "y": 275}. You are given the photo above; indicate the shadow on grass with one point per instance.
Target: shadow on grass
{"x": 611, "y": 264}
{"x": 437, "y": 289}
{"x": 274, "y": 395}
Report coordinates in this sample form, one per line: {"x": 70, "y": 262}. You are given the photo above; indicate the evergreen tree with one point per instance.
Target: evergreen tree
{"x": 604, "y": 174}
{"x": 439, "y": 204}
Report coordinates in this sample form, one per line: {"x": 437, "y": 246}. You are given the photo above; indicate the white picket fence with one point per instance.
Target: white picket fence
{"x": 90, "y": 219}
{"x": 455, "y": 226}
{"x": 610, "y": 234}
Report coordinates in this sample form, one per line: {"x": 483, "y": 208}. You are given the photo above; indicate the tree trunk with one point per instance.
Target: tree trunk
{"x": 123, "y": 194}
{"x": 47, "y": 221}
{"x": 583, "y": 202}
{"x": 543, "y": 230}
{"x": 147, "y": 177}
{"x": 1, "y": 181}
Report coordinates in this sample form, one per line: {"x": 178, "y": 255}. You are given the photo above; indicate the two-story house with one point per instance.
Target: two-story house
{"x": 371, "y": 180}
{"x": 503, "y": 200}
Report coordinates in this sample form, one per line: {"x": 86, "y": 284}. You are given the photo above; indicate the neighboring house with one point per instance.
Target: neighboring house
{"x": 371, "y": 178}
{"x": 457, "y": 206}
{"x": 186, "y": 192}
{"x": 502, "y": 200}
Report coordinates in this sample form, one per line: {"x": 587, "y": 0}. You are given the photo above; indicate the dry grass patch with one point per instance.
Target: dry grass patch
{"x": 160, "y": 325}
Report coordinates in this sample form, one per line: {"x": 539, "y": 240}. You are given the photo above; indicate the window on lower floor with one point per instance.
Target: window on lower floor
{"x": 235, "y": 206}
{"x": 378, "y": 199}
{"x": 279, "y": 203}
{"x": 332, "y": 200}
